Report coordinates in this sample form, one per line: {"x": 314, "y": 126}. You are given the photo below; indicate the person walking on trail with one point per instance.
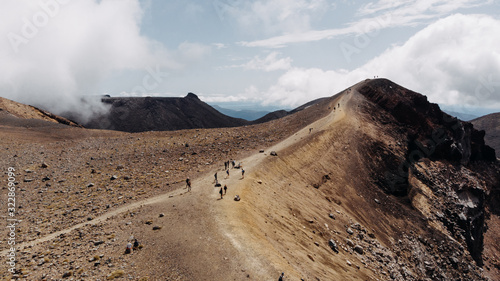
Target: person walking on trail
{"x": 233, "y": 163}
{"x": 227, "y": 173}
{"x": 282, "y": 277}
{"x": 128, "y": 249}
{"x": 188, "y": 184}
{"x": 225, "y": 189}
{"x": 242, "y": 173}
{"x": 136, "y": 245}
{"x": 215, "y": 176}
{"x": 221, "y": 193}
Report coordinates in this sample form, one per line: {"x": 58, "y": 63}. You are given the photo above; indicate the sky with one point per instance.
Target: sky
{"x": 280, "y": 53}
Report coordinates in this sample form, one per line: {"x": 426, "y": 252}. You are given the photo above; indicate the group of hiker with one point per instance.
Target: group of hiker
{"x": 227, "y": 165}
{"x": 131, "y": 246}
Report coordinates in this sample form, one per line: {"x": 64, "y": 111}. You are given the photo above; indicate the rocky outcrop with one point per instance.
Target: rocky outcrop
{"x": 452, "y": 198}
{"x": 491, "y": 125}
{"x": 435, "y": 163}
{"x": 430, "y": 132}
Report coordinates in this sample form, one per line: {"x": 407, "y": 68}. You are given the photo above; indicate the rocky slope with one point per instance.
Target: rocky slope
{"x": 18, "y": 114}
{"x": 374, "y": 183}
{"x": 459, "y": 172}
{"x": 387, "y": 188}
{"x": 491, "y": 125}
{"x": 68, "y": 177}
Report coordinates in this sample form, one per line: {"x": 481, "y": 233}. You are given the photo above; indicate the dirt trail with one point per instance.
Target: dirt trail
{"x": 212, "y": 218}
{"x": 229, "y": 211}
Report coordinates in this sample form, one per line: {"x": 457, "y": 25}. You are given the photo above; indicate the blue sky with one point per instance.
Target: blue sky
{"x": 279, "y": 53}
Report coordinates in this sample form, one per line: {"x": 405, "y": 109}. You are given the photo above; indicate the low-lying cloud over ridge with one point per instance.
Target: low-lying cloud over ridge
{"x": 56, "y": 51}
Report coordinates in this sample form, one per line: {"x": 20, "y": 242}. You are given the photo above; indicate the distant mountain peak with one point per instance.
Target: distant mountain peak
{"x": 192, "y": 96}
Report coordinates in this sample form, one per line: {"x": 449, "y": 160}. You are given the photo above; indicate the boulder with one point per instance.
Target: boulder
{"x": 333, "y": 245}
{"x": 358, "y": 249}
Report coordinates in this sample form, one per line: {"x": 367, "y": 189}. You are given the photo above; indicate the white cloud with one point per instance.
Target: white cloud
{"x": 453, "y": 61}
{"x": 141, "y": 95}
{"x": 219, "y": 46}
{"x": 270, "y": 63}
{"x": 274, "y": 17}
{"x": 56, "y": 51}
{"x": 222, "y": 98}
{"x": 409, "y": 7}
{"x": 374, "y": 17}
{"x": 250, "y": 94}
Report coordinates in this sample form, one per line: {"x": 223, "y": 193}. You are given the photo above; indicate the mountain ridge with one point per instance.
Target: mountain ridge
{"x": 372, "y": 183}
{"x": 491, "y": 125}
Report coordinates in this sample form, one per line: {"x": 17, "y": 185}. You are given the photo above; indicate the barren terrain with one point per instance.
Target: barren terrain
{"x": 314, "y": 209}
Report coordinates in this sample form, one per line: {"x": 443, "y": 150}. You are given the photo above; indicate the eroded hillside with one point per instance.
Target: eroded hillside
{"x": 374, "y": 183}
{"x": 358, "y": 198}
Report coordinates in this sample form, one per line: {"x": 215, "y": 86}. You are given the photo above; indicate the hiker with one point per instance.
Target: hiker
{"x": 221, "y": 193}
{"x": 227, "y": 172}
{"x": 128, "y": 249}
{"x": 233, "y": 163}
{"x": 282, "y": 276}
{"x": 242, "y": 173}
{"x": 215, "y": 176}
{"x": 188, "y": 184}
{"x": 225, "y": 189}
{"x": 136, "y": 245}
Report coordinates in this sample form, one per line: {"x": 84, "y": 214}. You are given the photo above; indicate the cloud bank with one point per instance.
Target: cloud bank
{"x": 54, "y": 52}
{"x": 453, "y": 61}
{"x": 371, "y": 17}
